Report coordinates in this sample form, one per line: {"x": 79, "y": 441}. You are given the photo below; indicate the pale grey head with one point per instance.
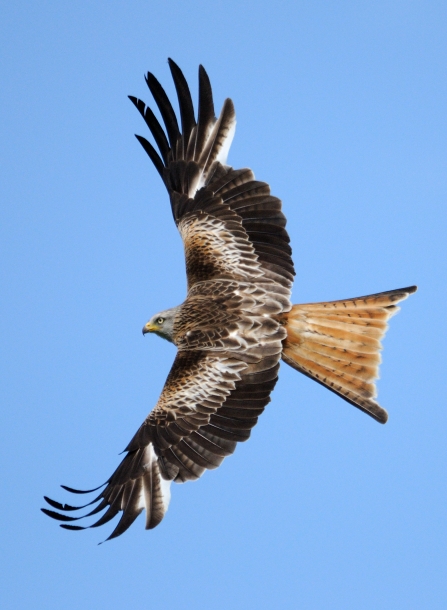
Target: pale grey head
{"x": 162, "y": 324}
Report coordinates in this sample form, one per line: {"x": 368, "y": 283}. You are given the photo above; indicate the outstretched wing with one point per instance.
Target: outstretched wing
{"x": 192, "y": 163}
{"x": 210, "y": 401}
{"x": 195, "y": 388}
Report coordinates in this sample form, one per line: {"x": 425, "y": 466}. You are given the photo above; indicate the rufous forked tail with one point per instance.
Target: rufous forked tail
{"x": 338, "y": 344}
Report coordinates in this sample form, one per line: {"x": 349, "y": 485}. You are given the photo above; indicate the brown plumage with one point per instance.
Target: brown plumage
{"x": 237, "y": 321}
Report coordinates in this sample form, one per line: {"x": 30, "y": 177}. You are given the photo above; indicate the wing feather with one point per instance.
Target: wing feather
{"x": 206, "y": 118}
{"x": 154, "y": 126}
{"x": 185, "y": 104}
{"x": 195, "y": 173}
{"x": 166, "y": 109}
{"x": 153, "y": 155}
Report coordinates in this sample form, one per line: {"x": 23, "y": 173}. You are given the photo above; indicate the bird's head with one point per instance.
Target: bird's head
{"x": 162, "y": 324}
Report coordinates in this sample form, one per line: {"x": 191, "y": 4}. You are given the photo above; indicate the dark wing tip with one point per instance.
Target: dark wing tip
{"x": 68, "y": 507}
{"x": 54, "y": 515}
{"x": 206, "y": 104}
{"x": 73, "y": 528}
{"x": 79, "y": 491}
{"x": 165, "y": 107}
{"x": 152, "y": 154}
{"x": 185, "y": 103}
{"x": 151, "y": 79}
{"x": 407, "y": 290}
{"x": 228, "y": 107}
{"x": 60, "y": 506}
{"x": 203, "y": 77}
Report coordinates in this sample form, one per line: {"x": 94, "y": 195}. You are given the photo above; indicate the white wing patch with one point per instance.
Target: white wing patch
{"x": 155, "y": 488}
{"x": 225, "y": 149}
{"x": 217, "y": 145}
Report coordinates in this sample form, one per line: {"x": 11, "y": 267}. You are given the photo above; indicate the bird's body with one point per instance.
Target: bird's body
{"x": 237, "y": 320}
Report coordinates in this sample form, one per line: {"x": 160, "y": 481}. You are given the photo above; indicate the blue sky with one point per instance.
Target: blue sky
{"x": 341, "y": 107}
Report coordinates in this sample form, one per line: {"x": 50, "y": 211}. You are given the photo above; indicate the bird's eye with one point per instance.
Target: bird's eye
{"x": 160, "y": 320}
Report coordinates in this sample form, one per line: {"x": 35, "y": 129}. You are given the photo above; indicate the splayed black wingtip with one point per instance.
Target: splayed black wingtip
{"x": 81, "y": 491}
{"x": 68, "y": 507}
{"x": 165, "y": 107}
{"x": 107, "y": 516}
{"x": 206, "y": 104}
{"x": 185, "y": 103}
{"x": 59, "y": 506}
{"x": 54, "y": 515}
{"x": 154, "y": 126}
{"x": 152, "y": 153}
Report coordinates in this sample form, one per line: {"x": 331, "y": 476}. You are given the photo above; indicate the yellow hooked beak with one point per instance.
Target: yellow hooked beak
{"x": 149, "y": 328}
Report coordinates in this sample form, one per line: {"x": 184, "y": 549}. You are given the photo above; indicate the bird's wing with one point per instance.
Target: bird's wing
{"x": 213, "y": 205}
{"x": 210, "y": 401}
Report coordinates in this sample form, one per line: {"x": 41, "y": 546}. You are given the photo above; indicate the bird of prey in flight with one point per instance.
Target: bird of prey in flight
{"x": 237, "y": 321}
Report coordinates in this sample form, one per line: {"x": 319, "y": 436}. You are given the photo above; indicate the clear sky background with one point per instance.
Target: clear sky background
{"x": 342, "y": 108}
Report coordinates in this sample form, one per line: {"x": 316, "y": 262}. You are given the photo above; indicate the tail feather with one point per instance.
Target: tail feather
{"x": 338, "y": 344}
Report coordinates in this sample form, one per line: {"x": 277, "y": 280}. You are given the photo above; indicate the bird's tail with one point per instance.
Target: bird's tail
{"x": 338, "y": 344}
